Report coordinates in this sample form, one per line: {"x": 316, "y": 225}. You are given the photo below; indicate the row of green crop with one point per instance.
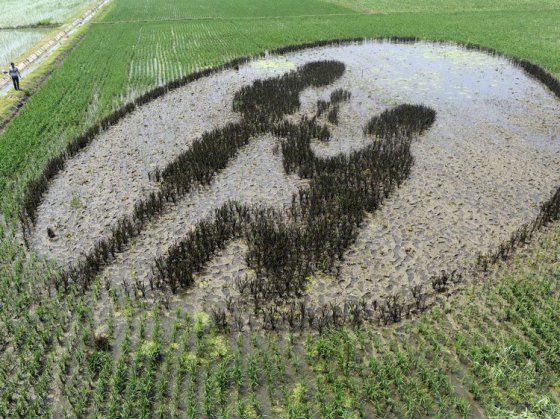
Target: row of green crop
{"x": 34, "y": 320}
{"x": 492, "y": 351}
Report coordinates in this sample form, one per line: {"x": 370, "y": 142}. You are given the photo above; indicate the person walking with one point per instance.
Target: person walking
{"x": 16, "y": 76}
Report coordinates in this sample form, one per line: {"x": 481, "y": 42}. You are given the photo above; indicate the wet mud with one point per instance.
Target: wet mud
{"x": 481, "y": 171}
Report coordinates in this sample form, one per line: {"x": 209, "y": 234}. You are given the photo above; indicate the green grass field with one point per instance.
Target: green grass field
{"x": 493, "y": 350}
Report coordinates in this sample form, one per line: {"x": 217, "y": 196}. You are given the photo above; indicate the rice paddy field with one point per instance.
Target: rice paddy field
{"x": 40, "y": 13}
{"x": 354, "y": 216}
{"x": 26, "y": 27}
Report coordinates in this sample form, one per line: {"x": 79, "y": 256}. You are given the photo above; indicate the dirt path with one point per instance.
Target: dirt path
{"x": 29, "y": 64}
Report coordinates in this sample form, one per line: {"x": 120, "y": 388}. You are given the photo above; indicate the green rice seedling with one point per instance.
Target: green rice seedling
{"x": 162, "y": 402}
{"x": 298, "y": 401}
{"x": 256, "y": 406}
{"x": 191, "y": 402}
{"x": 252, "y": 373}
{"x": 210, "y": 397}
{"x": 237, "y": 371}
{"x": 341, "y": 401}
{"x": 379, "y": 390}
{"x": 101, "y": 389}
{"x": 280, "y": 366}
{"x": 242, "y": 409}
{"x": 269, "y": 374}
{"x": 321, "y": 395}
{"x": 142, "y": 327}
{"x": 224, "y": 382}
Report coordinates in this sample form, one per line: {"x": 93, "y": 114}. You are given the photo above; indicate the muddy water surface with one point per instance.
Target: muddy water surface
{"x": 484, "y": 167}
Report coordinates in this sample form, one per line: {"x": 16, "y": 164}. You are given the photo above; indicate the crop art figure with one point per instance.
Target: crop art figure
{"x": 323, "y": 220}
{"x": 15, "y": 75}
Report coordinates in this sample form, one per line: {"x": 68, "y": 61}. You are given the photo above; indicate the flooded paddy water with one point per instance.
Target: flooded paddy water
{"x": 14, "y": 42}
{"x": 481, "y": 171}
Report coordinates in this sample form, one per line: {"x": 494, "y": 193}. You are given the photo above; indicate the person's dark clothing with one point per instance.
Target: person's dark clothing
{"x": 15, "y": 80}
